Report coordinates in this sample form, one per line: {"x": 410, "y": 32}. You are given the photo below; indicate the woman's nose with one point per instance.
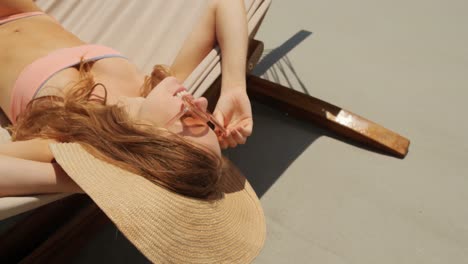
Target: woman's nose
{"x": 202, "y": 103}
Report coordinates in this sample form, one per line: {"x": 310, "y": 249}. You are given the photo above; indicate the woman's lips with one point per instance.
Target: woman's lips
{"x": 181, "y": 89}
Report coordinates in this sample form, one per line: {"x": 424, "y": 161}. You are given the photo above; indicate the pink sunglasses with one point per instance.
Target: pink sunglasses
{"x": 189, "y": 107}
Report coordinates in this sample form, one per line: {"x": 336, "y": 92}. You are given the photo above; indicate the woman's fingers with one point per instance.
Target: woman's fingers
{"x": 230, "y": 140}
{"x": 238, "y": 137}
{"x": 233, "y": 139}
{"x": 246, "y": 130}
{"x": 218, "y": 115}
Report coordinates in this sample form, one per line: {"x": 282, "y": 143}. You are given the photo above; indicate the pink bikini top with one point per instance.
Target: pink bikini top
{"x": 36, "y": 74}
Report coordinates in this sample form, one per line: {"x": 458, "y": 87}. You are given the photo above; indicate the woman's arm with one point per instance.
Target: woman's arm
{"x": 233, "y": 109}
{"x": 22, "y": 177}
{"x": 224, "y": 22}
{"x": 34, "y": 149}
{"x": 26, "y": 168}
{"x": 231, "y": 34}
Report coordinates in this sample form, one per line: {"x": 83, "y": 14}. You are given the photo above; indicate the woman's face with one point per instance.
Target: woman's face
{"x": 162, "y": 105}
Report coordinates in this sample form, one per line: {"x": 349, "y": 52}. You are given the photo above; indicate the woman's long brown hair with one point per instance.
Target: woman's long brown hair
{"x": 107, "y": 132}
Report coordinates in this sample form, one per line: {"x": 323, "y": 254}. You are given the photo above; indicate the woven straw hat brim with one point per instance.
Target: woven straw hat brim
{"x": 167, "y": 227}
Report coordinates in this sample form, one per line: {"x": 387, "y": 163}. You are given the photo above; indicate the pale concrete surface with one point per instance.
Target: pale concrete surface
{"x": 402, "y": 64}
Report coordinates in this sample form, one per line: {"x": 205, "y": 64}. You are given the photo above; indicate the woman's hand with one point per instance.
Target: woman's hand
{"x": 234, "y": 113}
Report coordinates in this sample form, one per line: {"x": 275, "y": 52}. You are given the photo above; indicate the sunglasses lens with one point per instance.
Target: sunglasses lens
{"x": 194, "y": 124}
{"x": 196, "y": 119}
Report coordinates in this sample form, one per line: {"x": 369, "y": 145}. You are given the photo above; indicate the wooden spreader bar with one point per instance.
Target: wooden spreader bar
{"x": 341, "y": 121}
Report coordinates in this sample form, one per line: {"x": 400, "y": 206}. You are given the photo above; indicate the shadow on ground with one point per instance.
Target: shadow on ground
{"x": 276, "y": 142}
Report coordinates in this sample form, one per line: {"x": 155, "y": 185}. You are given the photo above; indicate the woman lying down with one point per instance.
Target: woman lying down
{"x": 85, "y": 120}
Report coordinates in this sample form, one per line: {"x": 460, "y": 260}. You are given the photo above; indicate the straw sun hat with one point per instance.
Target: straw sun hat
{"x": 167, "y": 227}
